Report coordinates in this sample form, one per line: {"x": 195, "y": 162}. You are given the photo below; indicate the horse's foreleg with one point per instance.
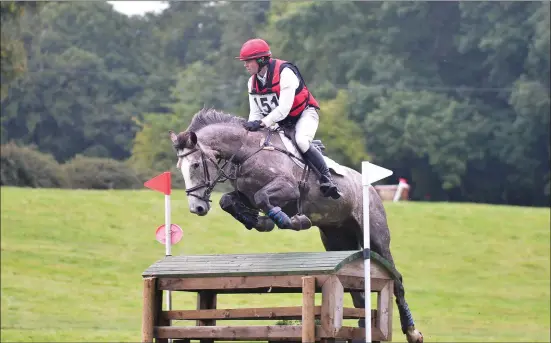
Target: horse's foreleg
{"x": 239, "y": 208}
{"x": 275, "y": 195}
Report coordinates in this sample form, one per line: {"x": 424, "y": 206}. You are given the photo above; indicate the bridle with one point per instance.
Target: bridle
{"x": 221, "y": 175}
{"x": 208, "y": 184}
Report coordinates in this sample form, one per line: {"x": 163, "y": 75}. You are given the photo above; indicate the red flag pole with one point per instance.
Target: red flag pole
{"x": 162, "y": 183}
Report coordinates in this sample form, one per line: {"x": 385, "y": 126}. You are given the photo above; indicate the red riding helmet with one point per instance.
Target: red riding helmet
{"x": 254, "y": 48}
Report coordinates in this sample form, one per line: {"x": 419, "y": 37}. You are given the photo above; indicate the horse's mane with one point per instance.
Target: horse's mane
{"x": 209, "y": 116}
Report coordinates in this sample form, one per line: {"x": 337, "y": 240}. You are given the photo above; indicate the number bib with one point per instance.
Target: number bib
{"x": 266, "y": 103}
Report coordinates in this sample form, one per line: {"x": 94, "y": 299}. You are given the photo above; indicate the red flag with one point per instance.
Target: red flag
{"x": 160, "y": 183}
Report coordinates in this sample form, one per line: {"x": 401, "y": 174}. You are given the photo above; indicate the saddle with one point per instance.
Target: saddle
{"x": 289, "y": 133}
{"x": 294, "y": 153}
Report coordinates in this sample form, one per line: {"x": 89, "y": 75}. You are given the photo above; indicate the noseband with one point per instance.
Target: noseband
{"x": 209, "y": 185}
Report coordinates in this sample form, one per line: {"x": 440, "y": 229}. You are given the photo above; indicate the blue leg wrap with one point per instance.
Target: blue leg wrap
{"x": 279, "y": 217}
{"x": 407, "y": 316}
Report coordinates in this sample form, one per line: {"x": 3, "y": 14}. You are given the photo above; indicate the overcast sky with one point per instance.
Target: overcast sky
{"x": 138, "y": 7}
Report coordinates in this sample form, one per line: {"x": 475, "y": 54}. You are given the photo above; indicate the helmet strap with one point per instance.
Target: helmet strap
{"x": 262, "y": 62}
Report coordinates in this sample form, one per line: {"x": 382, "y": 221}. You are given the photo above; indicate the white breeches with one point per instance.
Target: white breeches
{"x": 306, "y": 128}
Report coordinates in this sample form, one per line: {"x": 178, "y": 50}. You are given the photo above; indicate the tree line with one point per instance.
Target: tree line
{"x": 453, "y": 96}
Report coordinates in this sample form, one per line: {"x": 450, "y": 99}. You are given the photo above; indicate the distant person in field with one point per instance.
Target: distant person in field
{"x": 278, "y": 94}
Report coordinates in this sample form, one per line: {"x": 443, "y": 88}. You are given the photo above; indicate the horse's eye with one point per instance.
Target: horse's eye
{"x": 195, "y": 165}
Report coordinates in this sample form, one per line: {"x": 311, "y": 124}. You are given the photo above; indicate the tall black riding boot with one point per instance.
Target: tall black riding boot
{"x": 327, "y": 186}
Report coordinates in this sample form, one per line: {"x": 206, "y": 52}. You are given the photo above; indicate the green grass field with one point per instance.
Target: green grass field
{"x": 72, "y": 263}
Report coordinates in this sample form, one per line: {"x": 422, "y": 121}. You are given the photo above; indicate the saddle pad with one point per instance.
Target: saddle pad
{"x": 332, "y": 165}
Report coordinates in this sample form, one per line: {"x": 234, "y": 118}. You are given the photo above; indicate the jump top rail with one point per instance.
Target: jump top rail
{"x": 270, "y": 264}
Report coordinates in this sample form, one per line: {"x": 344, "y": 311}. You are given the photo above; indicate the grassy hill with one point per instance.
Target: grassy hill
{"x": 72, "y": 262}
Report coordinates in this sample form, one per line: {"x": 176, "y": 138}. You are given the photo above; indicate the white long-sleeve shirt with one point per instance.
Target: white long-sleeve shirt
{"x": 288, "y": 83}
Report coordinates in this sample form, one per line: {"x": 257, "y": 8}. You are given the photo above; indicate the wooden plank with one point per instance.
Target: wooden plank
{"x": 148, "y": 314}
{"x": 384, "y": 305}
{"x": 356, "y": 268}
{"x": 356, "y": 283}
{"x": 348, "y": 332}
{"x": 308, "y": 304}
{"x": 183, "y": 269}
{"x": 179, "y": 271}
{"x": 232, "y": 333}
{"x": 258, "y": 333}
{"x": 249, "y": 264}
{"x": 291, "y": 312}
{"x": 331, "y": 306}
{"x": 258, "y": 283}
{"x": 240, "y": 313}
{"x": 315, "y": 257}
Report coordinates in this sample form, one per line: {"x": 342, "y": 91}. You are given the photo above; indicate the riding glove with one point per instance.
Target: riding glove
{"x": 254, "y": 125}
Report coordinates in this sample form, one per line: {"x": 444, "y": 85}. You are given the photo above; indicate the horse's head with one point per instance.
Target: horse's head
{"x": 198, "y": 166}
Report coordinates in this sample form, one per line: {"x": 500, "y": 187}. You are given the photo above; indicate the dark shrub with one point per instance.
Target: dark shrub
{"x": 101, "y": 173}
{"x": 24, "y": 166}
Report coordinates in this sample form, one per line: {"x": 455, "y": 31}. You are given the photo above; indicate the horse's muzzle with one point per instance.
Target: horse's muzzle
{"x": 199, "y": 210}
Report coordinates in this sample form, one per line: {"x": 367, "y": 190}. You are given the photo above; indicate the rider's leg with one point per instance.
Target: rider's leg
{"x": 306, "y": 128}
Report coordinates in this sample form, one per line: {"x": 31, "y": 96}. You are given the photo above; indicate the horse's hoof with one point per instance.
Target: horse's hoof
{"x": 413, "y": 335}
{"x": 264, "y": 224}
{"x": 301, "y": 222}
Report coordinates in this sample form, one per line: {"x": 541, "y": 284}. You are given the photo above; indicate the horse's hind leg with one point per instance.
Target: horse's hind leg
{"x": 239, "y": 207}
{"x": 380, "y": 243}
{"x": 406, "y": 318}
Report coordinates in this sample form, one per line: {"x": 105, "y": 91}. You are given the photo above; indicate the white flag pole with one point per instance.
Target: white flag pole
{"x": 168, "y": 241}
{"x": 367, "y": 246}
{"x": 370, "y": 173}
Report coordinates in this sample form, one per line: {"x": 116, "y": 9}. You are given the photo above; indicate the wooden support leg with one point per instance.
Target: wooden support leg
{"x": 332, "y": 293}
{"x": 148, "y": 315}
{"x": 161, "y": 321}
{"x": 308, "y": 316}
{"x": 206, "y": 300}
{"x": 384, "y": 310}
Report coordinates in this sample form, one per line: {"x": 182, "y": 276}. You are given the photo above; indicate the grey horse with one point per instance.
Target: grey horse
{"x": 216, "y": 147}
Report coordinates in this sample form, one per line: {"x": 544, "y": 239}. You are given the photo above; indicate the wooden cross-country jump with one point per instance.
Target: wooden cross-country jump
{"x": 329, "y": 273}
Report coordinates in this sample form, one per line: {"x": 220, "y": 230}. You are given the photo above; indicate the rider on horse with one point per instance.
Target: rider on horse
{"x": 278, "y": 94}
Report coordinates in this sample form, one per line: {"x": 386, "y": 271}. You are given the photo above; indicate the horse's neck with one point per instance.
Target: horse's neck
{"x": 227, "y": 140}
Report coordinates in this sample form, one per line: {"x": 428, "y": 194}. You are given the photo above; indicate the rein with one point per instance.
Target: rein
{"x": 222, "y": 177}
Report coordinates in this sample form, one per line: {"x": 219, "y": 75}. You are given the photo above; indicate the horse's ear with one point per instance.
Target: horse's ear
{"x": 173, "y": 137}
{"x": 183, "y": 139}
{"x": 192, "y": 140}
{"x": 187, "y": 139}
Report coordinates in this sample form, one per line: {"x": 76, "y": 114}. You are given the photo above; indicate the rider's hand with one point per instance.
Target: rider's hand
{"x": 254, "y": 125}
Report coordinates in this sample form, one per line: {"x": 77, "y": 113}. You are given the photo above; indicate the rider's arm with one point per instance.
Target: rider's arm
{"x": 288, "y": 82}
{"x": 254, "y": 111}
